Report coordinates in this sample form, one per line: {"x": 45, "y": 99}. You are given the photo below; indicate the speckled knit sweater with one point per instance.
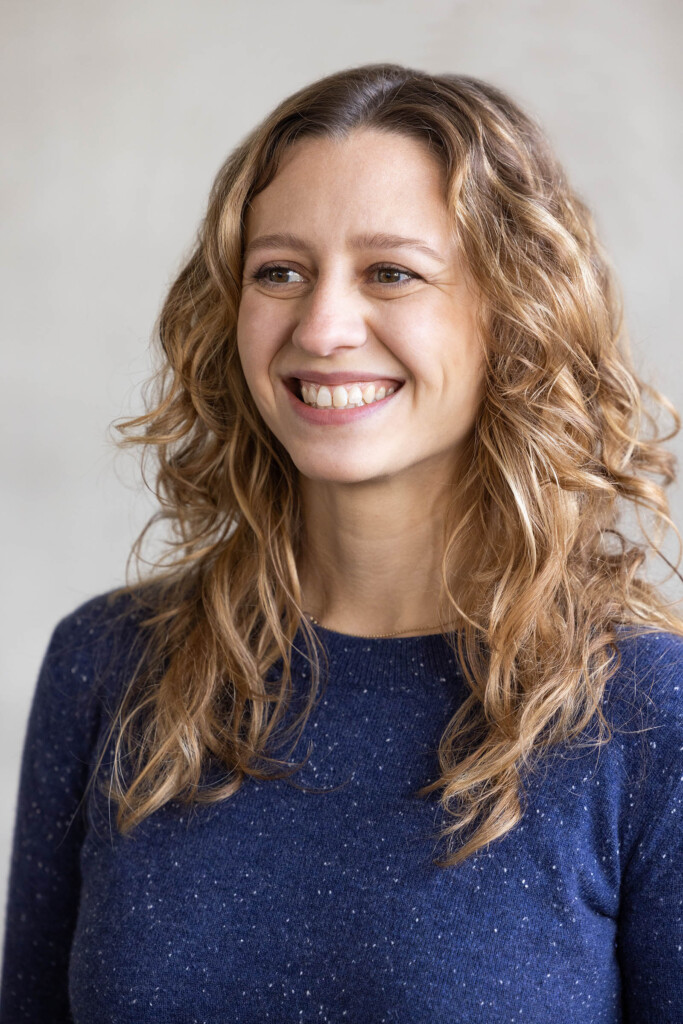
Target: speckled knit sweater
{"x": 286, "y": 905}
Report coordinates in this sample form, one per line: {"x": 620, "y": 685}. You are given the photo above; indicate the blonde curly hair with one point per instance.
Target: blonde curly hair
{"x": 557, "y": 452}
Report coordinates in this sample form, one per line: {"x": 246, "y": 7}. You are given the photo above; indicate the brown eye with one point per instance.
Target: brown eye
{"x": 275, "y": 275}
{"x": 394, "y": 273}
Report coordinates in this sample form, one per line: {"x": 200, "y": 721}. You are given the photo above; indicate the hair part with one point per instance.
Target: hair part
{"x": 559, "y": 449}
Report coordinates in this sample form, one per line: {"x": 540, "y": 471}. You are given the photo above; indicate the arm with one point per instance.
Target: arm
{"x": 49, "y": 826}
{"x": 650, "y": 926}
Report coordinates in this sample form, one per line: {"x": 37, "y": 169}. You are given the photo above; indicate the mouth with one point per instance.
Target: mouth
{"x": 351, "y": 394}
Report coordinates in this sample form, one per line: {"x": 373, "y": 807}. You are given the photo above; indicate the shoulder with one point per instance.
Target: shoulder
{"x": 649, "y": 678}
{"x": 105, "y": 619}
{"x": 643, "y": 704}
{"x": 91, "y": 654}
{"x": 84, "y": 672}
{"x": 644, "y": 777}
{"x": 638, "y": 754}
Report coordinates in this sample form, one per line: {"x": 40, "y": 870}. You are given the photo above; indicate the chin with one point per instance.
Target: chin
{"x": 333, "y": 470}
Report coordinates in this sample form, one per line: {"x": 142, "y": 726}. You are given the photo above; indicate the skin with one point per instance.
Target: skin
{"x": 373, "y": 491}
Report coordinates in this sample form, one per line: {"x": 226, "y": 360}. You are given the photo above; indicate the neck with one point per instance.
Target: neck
{"x": 371, "y": 558}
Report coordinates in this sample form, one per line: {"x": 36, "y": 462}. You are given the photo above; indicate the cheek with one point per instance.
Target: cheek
{"x": 440, "y": 349}
{"x": 410, "y": 331}
{"x": 256, "y": 343}
{"x": 470, "y": 381}
{"x": 265, "y": 319}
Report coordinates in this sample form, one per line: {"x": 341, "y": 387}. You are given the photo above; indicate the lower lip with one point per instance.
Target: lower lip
{"x": 325, "y": 417}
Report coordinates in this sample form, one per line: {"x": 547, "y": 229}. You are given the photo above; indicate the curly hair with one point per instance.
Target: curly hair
{"x": 562, "y": 444}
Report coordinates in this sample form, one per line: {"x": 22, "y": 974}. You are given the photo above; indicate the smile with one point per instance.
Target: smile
{"x": 341, "y": 403}
{"x": 343, "y": 395}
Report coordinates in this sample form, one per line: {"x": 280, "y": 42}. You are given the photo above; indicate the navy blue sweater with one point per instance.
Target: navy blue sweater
{"x": 286, "y": 905}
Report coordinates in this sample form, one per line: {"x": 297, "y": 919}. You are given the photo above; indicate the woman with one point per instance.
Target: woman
{"x": 395, "y": 426}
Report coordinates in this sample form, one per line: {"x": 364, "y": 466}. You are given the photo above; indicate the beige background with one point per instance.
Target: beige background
{"x": 115, "y": 118}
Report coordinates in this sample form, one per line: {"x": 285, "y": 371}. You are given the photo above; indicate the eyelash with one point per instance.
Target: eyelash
{"x": 261, "y": 275}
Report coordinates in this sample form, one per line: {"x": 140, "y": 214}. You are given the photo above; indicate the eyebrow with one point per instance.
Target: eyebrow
{"x": 379, "y": 240}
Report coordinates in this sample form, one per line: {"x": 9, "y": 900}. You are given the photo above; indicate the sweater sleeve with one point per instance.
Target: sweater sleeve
{"x": 42, "y": 904}
{"x": 650, "y": 926}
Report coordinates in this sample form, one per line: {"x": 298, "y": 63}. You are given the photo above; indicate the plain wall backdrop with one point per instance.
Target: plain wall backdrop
{"x": 115, "y": 118}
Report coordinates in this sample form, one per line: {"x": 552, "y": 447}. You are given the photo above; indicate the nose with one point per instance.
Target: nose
{"x": 331, "y": 318}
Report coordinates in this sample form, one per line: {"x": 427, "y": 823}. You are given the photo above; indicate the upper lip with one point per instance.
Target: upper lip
{"x": 340, "y": 376}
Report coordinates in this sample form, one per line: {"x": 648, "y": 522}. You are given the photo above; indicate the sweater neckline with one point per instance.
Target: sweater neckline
{"x": 334, "y": 636}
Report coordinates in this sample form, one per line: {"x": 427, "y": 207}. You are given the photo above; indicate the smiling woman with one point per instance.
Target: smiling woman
{"x": 331, "y": 322}
{"x": 395, "y": 425}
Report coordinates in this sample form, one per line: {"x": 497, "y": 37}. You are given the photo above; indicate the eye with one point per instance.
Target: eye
{"x": 279, "y": 273}
{"x": 389, "y": 269}
{"x": 274, "y": 275}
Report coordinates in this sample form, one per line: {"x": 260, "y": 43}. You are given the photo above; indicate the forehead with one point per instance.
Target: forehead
{"x": 373, "y": 180}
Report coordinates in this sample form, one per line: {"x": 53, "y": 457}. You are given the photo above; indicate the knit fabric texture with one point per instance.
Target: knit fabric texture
{"x": 286, "y": 904}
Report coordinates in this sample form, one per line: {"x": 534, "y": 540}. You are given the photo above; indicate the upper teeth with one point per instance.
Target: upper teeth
{"x": 342, "y": 395}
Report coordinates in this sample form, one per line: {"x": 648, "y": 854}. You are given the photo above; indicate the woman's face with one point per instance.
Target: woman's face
{"x": 340, "y": 292}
